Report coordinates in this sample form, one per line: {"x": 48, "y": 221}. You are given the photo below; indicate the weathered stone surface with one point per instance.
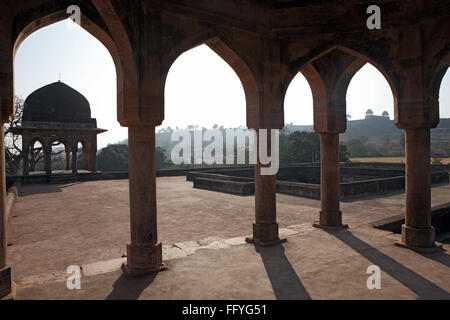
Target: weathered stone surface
{"x": 184, "y": 214}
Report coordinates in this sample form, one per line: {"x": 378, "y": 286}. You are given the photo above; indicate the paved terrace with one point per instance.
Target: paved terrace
{"x": 87, "y": 224}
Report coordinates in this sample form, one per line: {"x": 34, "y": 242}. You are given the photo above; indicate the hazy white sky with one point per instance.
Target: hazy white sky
{"x": 201, "y": 88}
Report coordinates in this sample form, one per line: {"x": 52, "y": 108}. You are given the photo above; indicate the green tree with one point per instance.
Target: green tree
{"x": 344, "y": 156}
{"x": 113, "y": 158}
{"x": 356, "y": 148}
{"x": 305, "y": 147}
{"x": 161, "y": 159}
{"x": 300, "y": 147}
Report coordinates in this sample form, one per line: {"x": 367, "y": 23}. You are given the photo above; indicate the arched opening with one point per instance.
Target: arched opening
{"x": 46, "y": 53}
{"x": 201, "y": 86}
{"x": 36, "y": 157}
{"x": 329, "y": 75}
{"x": 203, "y": 94}
{"x": 371, "y": 134}
{"x": 440, "y": 136}
{"x": 70, "y": 54}
{"x": 58, "y": 156}
{"x": 299, "y": 124}
{"x": 80, "y": 156}
{"x": 298, "y": 103}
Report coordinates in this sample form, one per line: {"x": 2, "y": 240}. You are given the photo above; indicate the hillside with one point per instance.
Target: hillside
{"x": 375, "y": 132}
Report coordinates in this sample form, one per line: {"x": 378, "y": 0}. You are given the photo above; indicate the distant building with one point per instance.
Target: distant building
{"x": 59, "y": 113}
{"x": 370, "y": 115}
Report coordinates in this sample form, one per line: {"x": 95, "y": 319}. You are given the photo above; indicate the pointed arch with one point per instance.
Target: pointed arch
{"x": 127, "y": 77}
{"x": 240, "y": 67}
{"x": 329, "y": 73}
{"x": 437, "y": 70}
{"x": 298, "y": 90}
{"x": 37, "y": 139}
{"x": 367, "y": 57}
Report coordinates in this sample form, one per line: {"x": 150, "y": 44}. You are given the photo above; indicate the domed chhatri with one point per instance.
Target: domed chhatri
{"x": 58, "y": 113}
{"x": 57, "y": 102}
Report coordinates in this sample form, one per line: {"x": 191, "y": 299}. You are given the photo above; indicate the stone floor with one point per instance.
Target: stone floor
{"x": 313, "y": 264}
{"x": 87, "y": 224}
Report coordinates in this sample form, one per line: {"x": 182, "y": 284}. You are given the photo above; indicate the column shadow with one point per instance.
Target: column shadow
{"x": 439, "y": 256}
{"x": 424, "y": 288}
{"x": 285, "y": 282}
{"x": 130, "y": 288}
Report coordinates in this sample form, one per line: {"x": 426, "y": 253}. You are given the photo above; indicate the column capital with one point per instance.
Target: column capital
{"x": 416, "y": 114}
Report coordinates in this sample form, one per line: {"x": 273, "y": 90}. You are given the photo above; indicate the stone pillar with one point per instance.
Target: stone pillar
{"x": 144, "y": 253}
{"x": 330, "y": 214}
{"x": 93, "y": 155}
{"x": 265, "y": 228}
{"x": 5, "y": 271}
{"x": 26, "y": 157}
{"x": 67, "y": 148}
{"x": 3, "y": 242}
{"x": 48, "y": 157}
{"x": 417, "y": 231}
{"x": 31, "y": 158}
{"x": 86, "y": 156}
{"x": 74, "y": 148}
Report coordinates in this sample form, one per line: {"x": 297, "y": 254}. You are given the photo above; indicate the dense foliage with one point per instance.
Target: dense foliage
{"x": 303, "y": 147}
{"x": 115, "y": 158}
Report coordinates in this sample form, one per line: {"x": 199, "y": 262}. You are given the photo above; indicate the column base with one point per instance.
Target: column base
{"x": 6, "y": 284}
{"x": 330, "y": 228}
{"x": 418, "y": 238}
{"x": 330, "y": 220}
{"x": 265, "y": 243}
{"x": 143, "y": 260}
{"x": 265, "y": 234}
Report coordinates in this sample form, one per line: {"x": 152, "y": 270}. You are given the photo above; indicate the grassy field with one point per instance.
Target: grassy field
{"x": 391, "y": 160}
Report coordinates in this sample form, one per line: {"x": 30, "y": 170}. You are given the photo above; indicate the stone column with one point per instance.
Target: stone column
{"x": 93, "y": 155}
{"x": 74, "y": 148}
{"x": 26, "y": 157}
{"x": 48, "y": 157}
{"x": 265, "y": 228}
{"x": 330, "y": 214}
{"x": 417, "y": 230}
{"x": 3, "y": 218}
{"x": 67, "y": 149}
{"x": 144, "y": 253}
{"x": 5, "y": 271}
{"x": 86, "y": 156}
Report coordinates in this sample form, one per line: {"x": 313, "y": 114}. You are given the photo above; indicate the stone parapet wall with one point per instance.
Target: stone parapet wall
{"x": 380, "y": 181}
